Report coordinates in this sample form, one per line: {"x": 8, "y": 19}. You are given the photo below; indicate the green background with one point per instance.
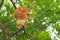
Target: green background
{"x": 44, "y": 17}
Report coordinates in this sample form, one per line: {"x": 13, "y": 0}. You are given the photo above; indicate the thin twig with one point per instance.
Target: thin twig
{"x": 1, "y": 3}
{"x": 13, "y": 4}
{"x": 27, "y": 35}
{"x": 3, "y": 28}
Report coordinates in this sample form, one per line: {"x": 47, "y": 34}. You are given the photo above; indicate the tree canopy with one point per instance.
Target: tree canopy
{"x": 43, "y": 14}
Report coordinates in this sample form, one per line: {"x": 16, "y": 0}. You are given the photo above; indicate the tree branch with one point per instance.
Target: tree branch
{"x": 15, "y": 32}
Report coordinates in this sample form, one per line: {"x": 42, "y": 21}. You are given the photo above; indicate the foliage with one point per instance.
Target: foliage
{"x": 42, "y": 14}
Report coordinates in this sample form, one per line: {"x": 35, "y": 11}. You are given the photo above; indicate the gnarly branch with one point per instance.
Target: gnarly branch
{"x": 1, "y": 3}
{"x": 25, "y": 33}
